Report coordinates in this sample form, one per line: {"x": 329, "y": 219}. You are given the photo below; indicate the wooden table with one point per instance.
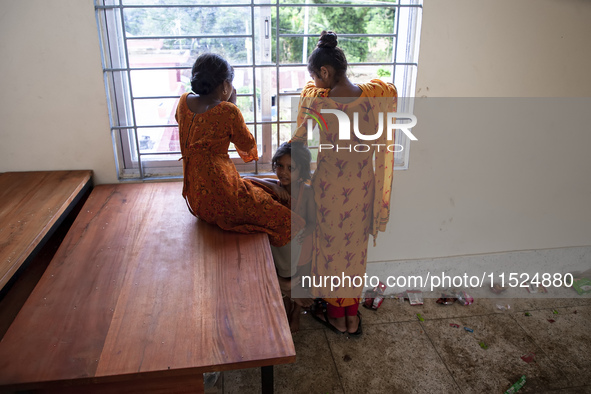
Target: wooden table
{"x": 32, "y": 206}
{"x": 143, "y": 297}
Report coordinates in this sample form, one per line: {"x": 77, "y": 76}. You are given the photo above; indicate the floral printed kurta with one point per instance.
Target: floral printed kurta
{"x": 351, "y": 189}
{"x": 214, "y": 190}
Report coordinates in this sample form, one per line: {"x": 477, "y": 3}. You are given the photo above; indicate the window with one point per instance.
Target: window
{"x": 148, "y": 48}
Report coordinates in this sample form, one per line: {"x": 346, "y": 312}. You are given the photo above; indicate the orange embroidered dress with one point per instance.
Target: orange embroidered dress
{"x": 213, "y": 189}
{"x": 351, "y": 188}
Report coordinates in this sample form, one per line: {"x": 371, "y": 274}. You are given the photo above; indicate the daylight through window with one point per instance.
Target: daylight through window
{"x": 148, "y": 48}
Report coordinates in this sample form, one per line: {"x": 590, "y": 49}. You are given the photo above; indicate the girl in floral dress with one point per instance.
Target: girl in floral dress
{"x": 351, "y": 186}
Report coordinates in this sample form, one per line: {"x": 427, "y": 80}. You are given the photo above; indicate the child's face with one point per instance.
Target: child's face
{"x": 286, "y": 170}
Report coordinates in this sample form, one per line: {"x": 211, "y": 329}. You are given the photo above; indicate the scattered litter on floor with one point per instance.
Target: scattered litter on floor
{"x": 464, "y": 298}
{"x": 454, "y": 325}
{"x": 503, "y": 307}
{"x": 516, "y": 386}
{"x": 528, "y": 358}
{"x": 420, "y": 317}
{"x": 468, "y": 329}
{"x": 582, "y": 285}
{"x": 527, "y": 314}
{"x": 415, "y": 297}
{"x": 552, "y": 320}
{"x": 448, "y": 297}
{"x": 483, "y": 345}
{"x": 375, "y": 297}
{"x": 401, "y": 297}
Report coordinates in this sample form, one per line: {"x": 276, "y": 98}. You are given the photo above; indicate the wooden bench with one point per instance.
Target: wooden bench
{"x": 33, "y": 207}
{"x": 143, "y": 297}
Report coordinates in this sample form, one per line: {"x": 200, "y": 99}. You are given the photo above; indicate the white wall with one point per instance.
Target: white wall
{"x": 460, "y": 195}
{"x": 52, "y": 102}
{"x": 492, "y": 175}
{"x": 505, "y": 48}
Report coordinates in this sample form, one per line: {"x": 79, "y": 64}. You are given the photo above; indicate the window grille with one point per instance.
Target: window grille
{"x": 148, "y": 48}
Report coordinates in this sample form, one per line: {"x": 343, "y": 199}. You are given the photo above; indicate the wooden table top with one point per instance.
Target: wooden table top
{"x": 140, "y": 286}
{"x": 30, "y": 204}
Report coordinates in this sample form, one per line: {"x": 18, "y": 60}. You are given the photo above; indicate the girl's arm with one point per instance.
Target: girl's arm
{"x": 241, "y": 137}
{"x": 272, "y": 184}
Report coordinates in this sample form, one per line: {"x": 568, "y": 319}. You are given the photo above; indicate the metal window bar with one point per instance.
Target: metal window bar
{"x": 254, "y": 74}
{"x": 127, "y": 69}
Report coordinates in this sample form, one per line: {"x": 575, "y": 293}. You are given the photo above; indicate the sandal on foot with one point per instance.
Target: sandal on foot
{"x": 325, "y": 322}
{"x": 359, "y": 329}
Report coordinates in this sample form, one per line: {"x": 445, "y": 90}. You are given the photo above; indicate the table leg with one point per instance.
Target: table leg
{"x": 267, "y": 379}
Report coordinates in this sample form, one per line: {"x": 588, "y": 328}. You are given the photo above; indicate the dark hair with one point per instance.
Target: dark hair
{"x": 300, "y": 155}
{"x": 210, "y": 71}
{"x": 327, "y": 53}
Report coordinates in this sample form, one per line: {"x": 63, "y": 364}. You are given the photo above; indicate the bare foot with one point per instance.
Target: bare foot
{"x": 352, "y": 324}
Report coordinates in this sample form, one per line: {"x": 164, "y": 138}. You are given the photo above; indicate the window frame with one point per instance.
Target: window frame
{"x": 131, "y": 162}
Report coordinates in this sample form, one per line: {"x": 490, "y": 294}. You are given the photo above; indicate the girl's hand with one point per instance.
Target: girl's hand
{"x": 232, "y": 98}
{"x": 308, "y": 230}
{"x": 281, "y": 193}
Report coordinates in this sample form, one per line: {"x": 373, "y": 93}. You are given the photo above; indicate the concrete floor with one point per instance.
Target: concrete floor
{"x": 397, "y": 353}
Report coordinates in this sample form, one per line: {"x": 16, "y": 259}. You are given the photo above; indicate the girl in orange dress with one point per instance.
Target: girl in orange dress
{"x": 208, "y": 122}
{"x": 351, "y": 186}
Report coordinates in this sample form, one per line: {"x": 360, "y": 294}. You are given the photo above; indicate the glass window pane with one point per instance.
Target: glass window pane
{"x": 187, "y": 21}
{"x": 158, "y": 139}
{"x": 285, "y": 107}
{"x": 293, "y": 79}
{"x": 243, "y": 80}
{"x": 285, "y": 133}
{"x": 342, "y": 20}
{"x": 357, "y": 49}
{"x": 245, "y": 104}
{"x": 266, "y": 92}
{"x": 363, "y": 73}
{"x": 343, "y": 2}
{"x": 153, "y": 112}
{"x": 151, "y": 160}
{"x": 147, "y": 83}
{"x": 164, "y": 37}
{"x": 172, "y": 52}
{"x": 182, "y": 2}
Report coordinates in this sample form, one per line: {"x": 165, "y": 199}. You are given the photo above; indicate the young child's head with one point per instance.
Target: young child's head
{"x": 209, "y": 72}
{"x": 291, "y": 162}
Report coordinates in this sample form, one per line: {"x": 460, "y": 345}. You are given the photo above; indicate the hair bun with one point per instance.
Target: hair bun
{"x": 201, "y": 83}
{"x": 210, "y": 71}
{"x": 328, "y": 39}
